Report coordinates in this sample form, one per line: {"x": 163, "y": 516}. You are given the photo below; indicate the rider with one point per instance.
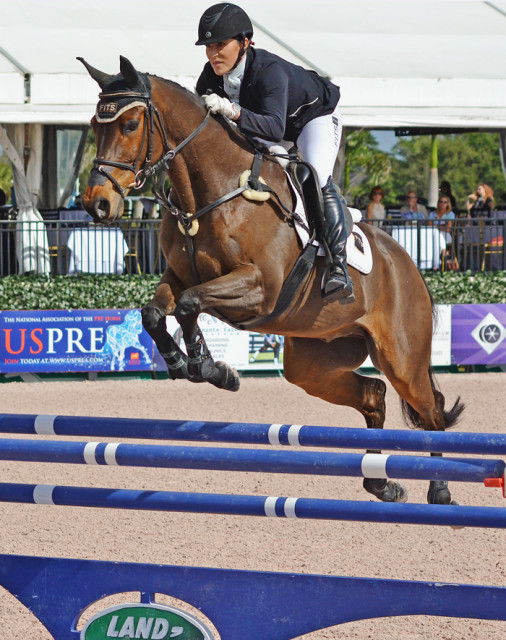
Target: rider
{"x": 274, "y": 101}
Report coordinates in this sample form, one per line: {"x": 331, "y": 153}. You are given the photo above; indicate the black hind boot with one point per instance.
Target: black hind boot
{"x": 336, "y": 280}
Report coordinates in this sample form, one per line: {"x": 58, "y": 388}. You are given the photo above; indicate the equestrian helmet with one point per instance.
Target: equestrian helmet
{"x": 224, "y": 21}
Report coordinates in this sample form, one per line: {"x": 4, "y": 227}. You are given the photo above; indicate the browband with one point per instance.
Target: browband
{"x": 109, "y": 111}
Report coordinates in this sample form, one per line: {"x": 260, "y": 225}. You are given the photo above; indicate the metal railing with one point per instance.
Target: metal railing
{"x": 55, "y": 247}
{"x": 468, "y": 244}
{"x": 75, "y": 245}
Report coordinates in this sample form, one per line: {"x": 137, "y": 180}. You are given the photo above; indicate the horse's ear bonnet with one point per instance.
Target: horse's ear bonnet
{"x": 123, "y": 91}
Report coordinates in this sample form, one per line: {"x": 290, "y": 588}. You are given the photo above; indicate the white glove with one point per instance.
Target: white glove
{"x": 278, "y": 149}
{"x": 217, "y": 104}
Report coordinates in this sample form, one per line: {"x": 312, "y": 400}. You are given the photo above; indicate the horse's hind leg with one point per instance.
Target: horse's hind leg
{"x": 325, "y": 370}
{"x": 404, "y": 357}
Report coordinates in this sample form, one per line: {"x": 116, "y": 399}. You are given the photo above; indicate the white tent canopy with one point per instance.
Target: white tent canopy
{"x": 399, "y": 63}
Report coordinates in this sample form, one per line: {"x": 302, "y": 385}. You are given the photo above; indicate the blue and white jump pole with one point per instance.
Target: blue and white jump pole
{"x": 255, "y": 433}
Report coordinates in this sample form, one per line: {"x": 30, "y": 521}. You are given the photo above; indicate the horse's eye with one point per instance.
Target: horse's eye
{"x": 131, "y": 126}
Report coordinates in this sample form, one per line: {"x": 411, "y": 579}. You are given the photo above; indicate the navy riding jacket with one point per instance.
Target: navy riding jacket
{"x": 277, "y": 98}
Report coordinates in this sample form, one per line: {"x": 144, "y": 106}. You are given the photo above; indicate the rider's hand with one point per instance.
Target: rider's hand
{"x": 217, "y": 104}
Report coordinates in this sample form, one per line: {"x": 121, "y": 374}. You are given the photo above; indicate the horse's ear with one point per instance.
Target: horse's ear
{"x": 99, "y": 76}
{"x": 129, "y": 72}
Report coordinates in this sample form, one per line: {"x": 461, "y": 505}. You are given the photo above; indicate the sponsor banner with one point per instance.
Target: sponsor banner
{"x": 114, "y": 340}
{"x": 479, "y": 334}
{"x": 442, "y": 337}
{"x": 224, "y": 342}
{"x": 265, "y": 352}
{"x": 74, "y": 341}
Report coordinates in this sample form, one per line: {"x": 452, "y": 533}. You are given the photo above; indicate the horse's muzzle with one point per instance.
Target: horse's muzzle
{"x": 100, "y": 209}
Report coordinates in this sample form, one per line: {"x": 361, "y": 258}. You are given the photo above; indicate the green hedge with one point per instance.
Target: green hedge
{"x": 467, "y": 287}
{"x": 76, "y": 292}
{"x": 131, "y": 292}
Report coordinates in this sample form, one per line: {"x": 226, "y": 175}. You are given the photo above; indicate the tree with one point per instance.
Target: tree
{"x": 365, "y": 165}
{"x": 5, "y": 176}
{"x": 465, "y": 159}
{"x": 90, "y": 152}
{"x": 411, "y": 165}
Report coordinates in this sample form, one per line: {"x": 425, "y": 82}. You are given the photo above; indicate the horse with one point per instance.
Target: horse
{"x": 229, "y": 256}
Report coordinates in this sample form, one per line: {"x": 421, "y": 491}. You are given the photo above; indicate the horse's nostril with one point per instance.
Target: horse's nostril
{"x": 101, "y": 208}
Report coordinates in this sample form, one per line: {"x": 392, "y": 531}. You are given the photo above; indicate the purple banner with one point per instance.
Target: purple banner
{"x": 479, "y": 334}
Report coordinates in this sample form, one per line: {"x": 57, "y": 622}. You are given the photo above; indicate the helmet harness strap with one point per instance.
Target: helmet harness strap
{"x": 241, "y": 51}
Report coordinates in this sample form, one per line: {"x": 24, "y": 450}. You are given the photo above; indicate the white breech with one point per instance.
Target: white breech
{"x": 319, "y": 143}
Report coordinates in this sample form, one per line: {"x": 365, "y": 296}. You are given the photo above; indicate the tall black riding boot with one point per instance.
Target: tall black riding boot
{"x": 336, "y": 280}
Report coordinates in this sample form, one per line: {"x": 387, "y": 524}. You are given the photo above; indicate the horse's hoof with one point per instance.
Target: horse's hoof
{"x": 394, "y": 492}
{"x": 229, "y": 378}
{"x": 386, "y": 491}
{"x": 439, "y": 493}
{"x": 151, "y": 316}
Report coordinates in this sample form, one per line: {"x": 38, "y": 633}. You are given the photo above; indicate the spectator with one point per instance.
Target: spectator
{"x": 480, "y": 204}
{"x": 445, "y": 189}
{"x": 375, "y": 209}
{"x": 413, "y": 210}
{"x": 443, "y": 216}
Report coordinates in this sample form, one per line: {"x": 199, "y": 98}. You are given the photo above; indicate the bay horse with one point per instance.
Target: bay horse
{"x": 235, "y": 264}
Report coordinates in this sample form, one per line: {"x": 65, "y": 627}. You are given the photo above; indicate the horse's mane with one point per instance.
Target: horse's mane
{"x": 179, "y": 87}
{"x": 231, "y": 130}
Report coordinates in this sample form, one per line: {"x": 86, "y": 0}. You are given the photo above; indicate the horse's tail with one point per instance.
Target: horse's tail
{"x": 451, "y": 417}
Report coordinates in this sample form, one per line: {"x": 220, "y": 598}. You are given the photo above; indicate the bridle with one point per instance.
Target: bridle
{"x": 152, "y": 120}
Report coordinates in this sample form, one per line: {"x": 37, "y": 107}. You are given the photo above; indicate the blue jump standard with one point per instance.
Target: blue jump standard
{"x": 256, "y": 433}
{"x": 244, "y": 505}
{"x": 250, "y": 605}
{"x": 369, "y": 465}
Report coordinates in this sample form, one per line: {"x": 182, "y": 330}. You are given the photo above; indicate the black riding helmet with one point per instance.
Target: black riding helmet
{"x": 224, "y": 21}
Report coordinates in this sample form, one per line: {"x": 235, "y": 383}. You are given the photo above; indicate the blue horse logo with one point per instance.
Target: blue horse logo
{"x": 122, "y": 336}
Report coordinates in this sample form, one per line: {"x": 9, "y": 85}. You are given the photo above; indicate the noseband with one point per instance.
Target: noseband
{"x": 152, "y": 119}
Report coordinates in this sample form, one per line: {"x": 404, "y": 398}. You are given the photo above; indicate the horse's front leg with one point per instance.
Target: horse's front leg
{"x": 154, "y": 321}
{"x": 239, "y": 291}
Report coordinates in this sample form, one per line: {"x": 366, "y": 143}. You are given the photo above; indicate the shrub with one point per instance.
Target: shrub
{"x": 133, "y": 292}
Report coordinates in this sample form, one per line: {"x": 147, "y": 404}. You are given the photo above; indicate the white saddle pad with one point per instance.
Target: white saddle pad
{"x": 358, "y": 248}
